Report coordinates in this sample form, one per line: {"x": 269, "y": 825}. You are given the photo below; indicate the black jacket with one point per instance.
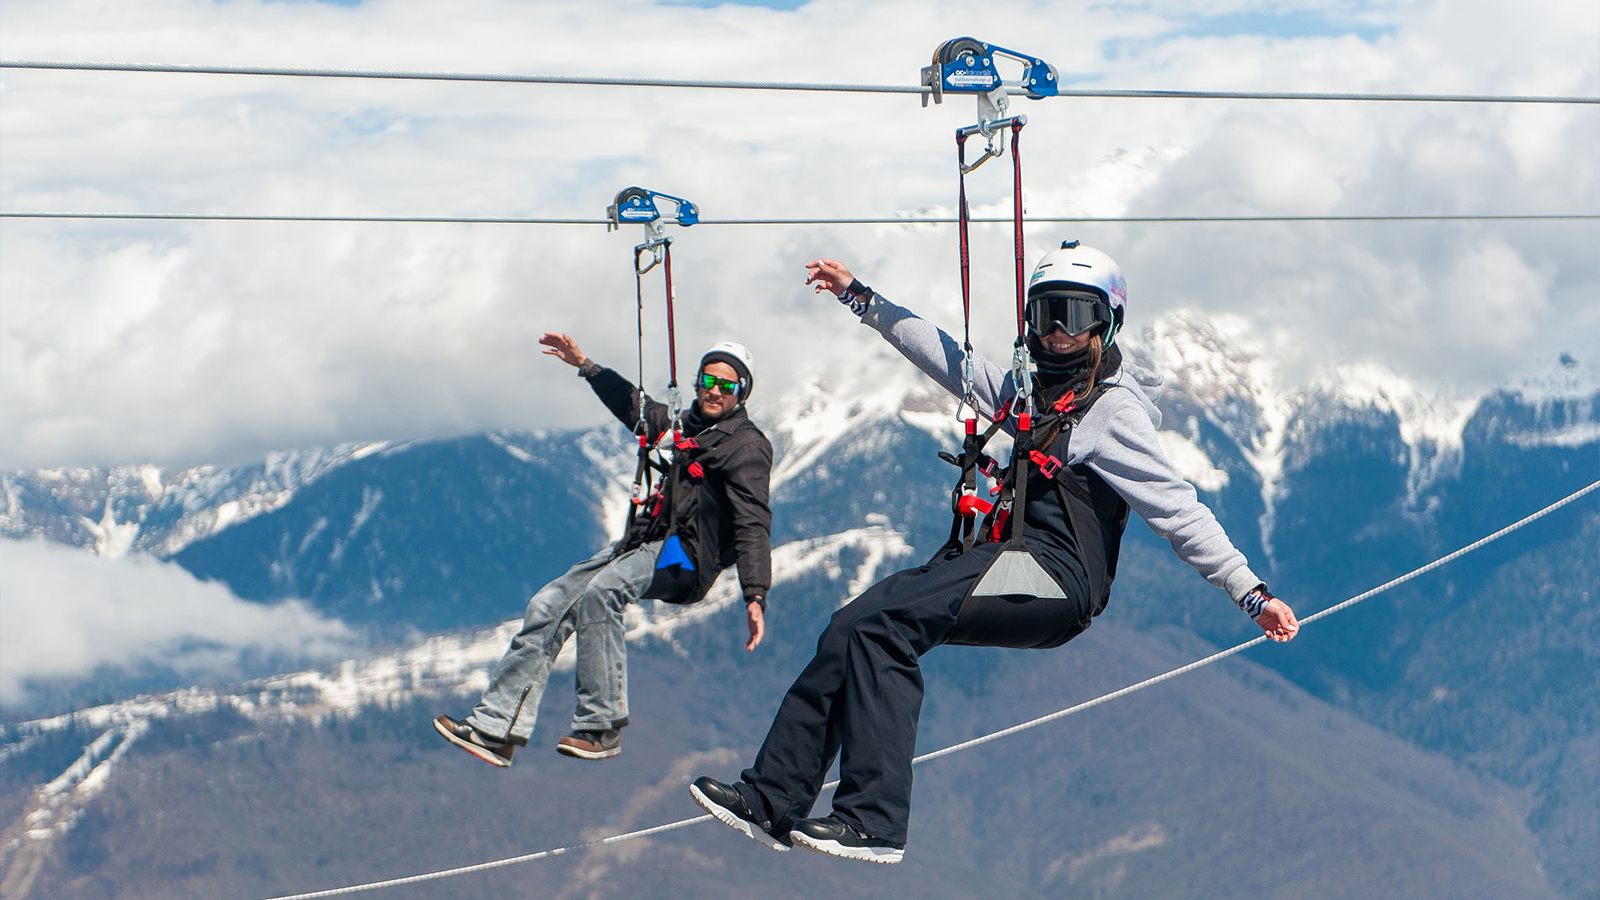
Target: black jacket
{"x": 722, "y": 514}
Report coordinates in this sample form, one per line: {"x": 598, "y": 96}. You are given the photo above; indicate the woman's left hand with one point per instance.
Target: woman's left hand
{"x": 1278, "y": 621}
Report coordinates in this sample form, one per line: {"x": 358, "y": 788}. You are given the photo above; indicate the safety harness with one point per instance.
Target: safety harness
{"x": 636, "y": 204}
{"x": 967, "y": 65}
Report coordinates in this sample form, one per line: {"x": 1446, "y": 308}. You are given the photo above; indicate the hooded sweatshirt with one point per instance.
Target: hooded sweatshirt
{"x": 1116, "y": 439}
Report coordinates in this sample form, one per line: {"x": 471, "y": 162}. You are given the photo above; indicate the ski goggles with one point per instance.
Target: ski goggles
{"x": 1074, "y": 312}
{"x": 728, "y": 386}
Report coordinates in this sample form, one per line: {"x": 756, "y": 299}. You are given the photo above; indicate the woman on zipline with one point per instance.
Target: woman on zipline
{"x": 1030, "y": 584}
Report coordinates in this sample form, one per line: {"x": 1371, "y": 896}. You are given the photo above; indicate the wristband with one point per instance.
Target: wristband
{"x": 857, "y": 296}
{"x": 1256, "y": 601}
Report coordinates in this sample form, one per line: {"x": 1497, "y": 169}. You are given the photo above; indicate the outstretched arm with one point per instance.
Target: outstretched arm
{"x": 619, "y": 394}
{"x": 940, "y": 356}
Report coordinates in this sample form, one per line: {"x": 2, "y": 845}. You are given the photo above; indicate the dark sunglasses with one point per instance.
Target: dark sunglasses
{"x": 726, "y": 385}
{"x": 1070, "y": 311}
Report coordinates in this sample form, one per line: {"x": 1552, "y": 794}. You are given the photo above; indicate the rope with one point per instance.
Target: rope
{"x": 495, "y": 864}
{"x": 994, "y": 736}
{"x": 1216, "y": 657}
{"x": 869, "y": 220}
{"x": 772, "y": 85}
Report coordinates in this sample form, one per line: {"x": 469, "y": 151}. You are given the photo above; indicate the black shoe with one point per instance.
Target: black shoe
{"x": 591, "y": 744}
{"x": 728, "y": 806}
{"x": 490, "y": 750}
{"x": 832, "y": 836}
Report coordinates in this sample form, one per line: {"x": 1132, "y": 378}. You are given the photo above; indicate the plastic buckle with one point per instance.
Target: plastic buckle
{"x": 696, "y": 470}
{"x": 1048, "y": 465}
{"x": 988, "y": 466}
{"x": 1000, "y": 524}
{"x": 1067, "y": 403}
{"x": 972, "y": 505}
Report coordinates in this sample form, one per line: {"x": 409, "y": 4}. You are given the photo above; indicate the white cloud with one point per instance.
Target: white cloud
{"x": 212, "y": 342}
{"x": 65, "y": 613}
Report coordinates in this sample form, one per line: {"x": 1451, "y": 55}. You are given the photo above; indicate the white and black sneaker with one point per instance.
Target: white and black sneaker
{"x": 727, "y": 805}
{"x": 831, "y": 835}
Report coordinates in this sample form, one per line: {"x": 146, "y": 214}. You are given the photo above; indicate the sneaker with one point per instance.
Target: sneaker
{"x": 727, "y": 805}
{"x": 591, "y": 744}
{"x": 831, "y": 835}
{"x": 490, "y": 750}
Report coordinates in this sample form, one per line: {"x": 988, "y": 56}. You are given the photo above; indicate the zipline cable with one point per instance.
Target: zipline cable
{"x": 993, "y": 736}
{"x": 772, "y": 85}
{"x": 868, "y": 220}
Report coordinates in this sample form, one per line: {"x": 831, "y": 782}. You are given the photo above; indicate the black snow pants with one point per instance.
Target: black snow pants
{"x": 860, "y": 696}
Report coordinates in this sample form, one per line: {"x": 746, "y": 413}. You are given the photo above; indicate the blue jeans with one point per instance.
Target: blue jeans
{"x": 588, "y": 599}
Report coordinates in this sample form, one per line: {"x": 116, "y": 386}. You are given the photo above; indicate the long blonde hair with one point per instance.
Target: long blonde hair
{"x": 1080, "y": 386}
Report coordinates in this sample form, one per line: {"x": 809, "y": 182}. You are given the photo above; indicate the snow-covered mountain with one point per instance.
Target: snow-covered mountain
{"x": 1223, "y": 402}
{"x": 1329, "y": 487}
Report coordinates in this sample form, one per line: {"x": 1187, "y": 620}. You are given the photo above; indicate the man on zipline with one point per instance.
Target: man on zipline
{"x": 711, "y": 511}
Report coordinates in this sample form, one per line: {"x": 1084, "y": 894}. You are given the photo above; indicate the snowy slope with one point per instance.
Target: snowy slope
{"x": 147, "y": 509}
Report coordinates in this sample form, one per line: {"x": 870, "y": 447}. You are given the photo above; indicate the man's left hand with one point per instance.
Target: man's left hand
{"x": 758, "y": 624}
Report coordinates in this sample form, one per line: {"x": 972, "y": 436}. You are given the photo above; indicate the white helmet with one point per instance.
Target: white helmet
{"x": 1075, "y": 267}
{"x": 736, "y": 355}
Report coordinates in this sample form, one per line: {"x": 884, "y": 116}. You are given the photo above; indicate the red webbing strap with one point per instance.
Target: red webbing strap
{"x": 1024, "y": 439}
{"x": 672, "y": 337}
{"x": 962, "y": 215}
{"x": 1016, "y": 214}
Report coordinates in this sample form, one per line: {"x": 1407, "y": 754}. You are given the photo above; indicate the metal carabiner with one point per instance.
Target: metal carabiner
{"x": 1022, "y": 369}
{"x": 674, "y": 404}
{"x": 969, "y": 396}
{"x": 655, "y": 241}
{"x": 991, "y": 124}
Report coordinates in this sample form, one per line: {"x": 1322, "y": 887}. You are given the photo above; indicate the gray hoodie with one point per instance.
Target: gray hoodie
{"x": 1116, "y": 438}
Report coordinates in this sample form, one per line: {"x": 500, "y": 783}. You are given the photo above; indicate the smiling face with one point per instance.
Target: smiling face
{"x": 1058, "y": 341}
{"x": 714, "y": 402}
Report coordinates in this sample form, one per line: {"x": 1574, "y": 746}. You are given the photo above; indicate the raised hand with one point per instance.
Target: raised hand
{"x": 562, "y": 347}
{"x": 828, "y": 274}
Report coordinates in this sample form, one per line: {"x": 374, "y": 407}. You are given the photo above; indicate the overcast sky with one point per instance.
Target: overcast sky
{"x": 182, "y": 343}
